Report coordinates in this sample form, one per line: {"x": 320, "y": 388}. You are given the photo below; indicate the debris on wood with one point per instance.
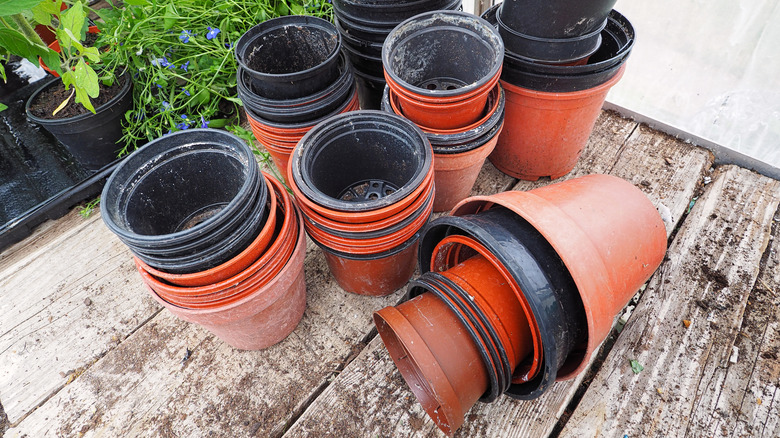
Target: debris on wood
{"x": 666, "y": 214}
{"x": 687, "y": 323}
{"x": 636, "y": 367}
{"x": 734, "y": 354}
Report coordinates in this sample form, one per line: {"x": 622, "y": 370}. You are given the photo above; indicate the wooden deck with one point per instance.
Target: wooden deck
{"x": 85, "y": 352}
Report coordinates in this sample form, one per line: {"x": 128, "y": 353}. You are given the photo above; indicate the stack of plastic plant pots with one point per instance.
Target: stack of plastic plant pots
{"x": 519, "y": 289}
{"x": 217, "y": 242}
{"x": 364, "y": 183}
{"x": 561, "y": 59}
{"x": 364, "y": 25}
{"x": 291, "y": 76}
{"x": 442, "y": 70}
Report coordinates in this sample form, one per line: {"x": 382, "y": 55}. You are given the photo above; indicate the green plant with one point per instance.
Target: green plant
{"x": 180, "y": 53}
{"x": 86, "y": 210}
{"x": 18, "y": 37}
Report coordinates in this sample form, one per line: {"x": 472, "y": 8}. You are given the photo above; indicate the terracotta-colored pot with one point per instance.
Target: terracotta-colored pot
{"x": 374, "y": 274}
{"x": 545, "y": 133}
{"x": 240, "y": 284}
{"x": 443, "y": 115}
{"x": 359, "y": 217}
{"x": 608, "y": 234}
{"x": 455, "y": 174}
{"x": 494, "y": 295}
{"x": 456, "y": 248}
{"x": 367, "y": 246}
{"x": 366, "y": 227}
{"x": 239, "y": 262}
{"x": 493, "y": 105}
{"x": 436, "y": 356}
{"x": 262, "y": 318}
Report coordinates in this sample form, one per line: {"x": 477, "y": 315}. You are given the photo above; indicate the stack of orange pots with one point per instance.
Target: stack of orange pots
{"x": 255, "y": 299}
{"x": 442, "y": 70}
{"x": 519, "y": 289}
{"x": 364, "y": 182}
{"x": 221, "y": 246}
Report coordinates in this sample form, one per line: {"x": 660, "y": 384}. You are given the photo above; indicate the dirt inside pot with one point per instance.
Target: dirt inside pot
{"x": 48, "y": 100}
{"x": 291, "y": 49}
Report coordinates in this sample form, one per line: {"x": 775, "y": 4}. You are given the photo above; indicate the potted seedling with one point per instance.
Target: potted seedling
{"x": 85, "y": 106}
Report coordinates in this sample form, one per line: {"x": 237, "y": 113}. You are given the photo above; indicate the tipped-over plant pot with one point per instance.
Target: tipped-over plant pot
{"x": 91, "y": 138}
{"x": 436, "y": 356}
{"x": 607, "y": 233}
{"x": 291, "y": 56}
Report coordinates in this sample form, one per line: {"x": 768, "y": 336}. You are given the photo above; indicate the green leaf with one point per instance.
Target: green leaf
{"x": 83, "y": 98}
{"x": 170, "y": 17}
{"x": 203, "y": 96}
{"x": 11, "y": 7}
{"x": 137, "y": 2}
{"x": 16, "y": 43}
{"x": 52, "y": 60}
{"x": 86, "y": 79}
{"x": 297, "y": 9}
{"x": 3, "y": 107}
{"x": 92, "y": 53}
{"x": 72, "y": 21}
{"x": 636, "y": 367}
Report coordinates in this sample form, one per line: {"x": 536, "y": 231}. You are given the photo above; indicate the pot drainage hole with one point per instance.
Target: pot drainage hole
{"x": 369, "y": 190}
{"x": 442, "y": 84}
{"x": 199, "y": 216}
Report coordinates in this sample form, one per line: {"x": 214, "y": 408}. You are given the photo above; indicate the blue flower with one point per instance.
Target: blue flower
{"x": 229, "y": 45}
{"x": 184, "y": 90}
{"x": 212, "y": 33}
{"x": 185, "y": 36}
{"x": 158, "y": 85}
{"x": 182, "y": 125}
{"x": 163, "y": 62}
{"x": 165, "y": 105}
{"x": 185, "y": 66}
{"x": 183, "y": 116}
{"x": 204, "y": 123}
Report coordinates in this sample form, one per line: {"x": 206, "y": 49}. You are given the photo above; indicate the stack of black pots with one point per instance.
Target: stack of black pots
{"x": 177, "y": 218}
{"x": 364, "y": 25}
{"x": 561, "y": 45}
{"x": 292, "y": 75}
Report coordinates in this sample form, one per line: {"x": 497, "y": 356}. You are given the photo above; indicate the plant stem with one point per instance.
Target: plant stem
{"x": 28, "y": 31}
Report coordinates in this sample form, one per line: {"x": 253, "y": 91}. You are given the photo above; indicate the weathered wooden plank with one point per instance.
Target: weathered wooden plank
{"x": 616, "y": 147}
{"x": 141, "y": 386}
{"x": 67, "y": 300}
{"x": 711, "y": 269}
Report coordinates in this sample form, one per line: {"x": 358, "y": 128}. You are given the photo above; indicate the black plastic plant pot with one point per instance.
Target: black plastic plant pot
{"x": 220, "y": 251}
{"x": 388, "y": 13}
{"x": 182, "y": 192}
{"x": 91, "y": 138}
{"x": 306, "y": 123}
{"x": 338, "y": 162}
{"x": 361, "y": 31}
{"x": 359, "y": 45}
{"x": 555, "y": 18}
{"x": 300, "y": 110}
{"x": 364, "y": 63}
{"x": 443, "y": 54}
{"x": 540, "y": 274}
{"x": 290, "y": 57}
{"x": 616, "y": 44}
{"x": 369, "y": 90}
{"x": 550, "y": 50}
{"x": 464, "y": 140}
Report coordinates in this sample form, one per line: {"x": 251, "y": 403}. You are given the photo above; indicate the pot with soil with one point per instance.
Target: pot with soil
{"x": 91, "y": 138}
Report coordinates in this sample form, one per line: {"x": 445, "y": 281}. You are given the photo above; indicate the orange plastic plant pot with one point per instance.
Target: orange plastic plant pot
{"x": 492, "y": 102}
{"x": 418, "y": 203}
{"x": 493, "y": 294}
{"x": 545, "y": 133}
{"x": 261, "y": 319}
{"x": 239, "y": 262}
{"x": 443, "y": 115}
{"x": 377, "y": 275}
{"x": 455, "y": 174}
{"x": 606, "y": 231}
{"x": 362, "y": 216}
{"x": 454, "y": 249}
{"x": 288, "y": 230}
{"x": 436, "y": 357}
